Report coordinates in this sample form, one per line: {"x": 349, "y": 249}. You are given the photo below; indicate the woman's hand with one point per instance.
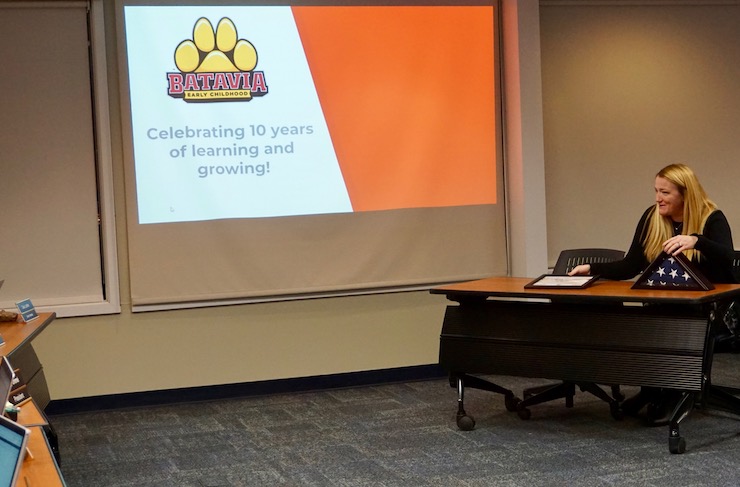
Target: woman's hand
{"x": 581, "y": 270}
{"x": 679, "y": 243}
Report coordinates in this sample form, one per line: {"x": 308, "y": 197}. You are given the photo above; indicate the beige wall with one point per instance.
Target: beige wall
{"x": 163, "y": 350}
{"x": 127, "y": 352}
{"x": 627, "y": 90}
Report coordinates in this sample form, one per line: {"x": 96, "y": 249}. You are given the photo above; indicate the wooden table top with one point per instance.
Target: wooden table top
{"x": 30, "y": 414}
{"x": 39, "y": 467}
{"x": 16, "y": 334}
{"x": 601, "y": 290}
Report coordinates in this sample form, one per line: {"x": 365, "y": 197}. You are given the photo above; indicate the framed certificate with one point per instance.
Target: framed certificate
{"x": 554, "y": 281}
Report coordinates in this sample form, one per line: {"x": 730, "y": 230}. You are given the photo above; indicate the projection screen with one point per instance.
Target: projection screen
{"x": 295, "y": 150}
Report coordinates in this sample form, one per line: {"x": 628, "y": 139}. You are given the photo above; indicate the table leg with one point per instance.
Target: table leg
{"x": 465, "y": 421}
{"x": 676, "y": 443}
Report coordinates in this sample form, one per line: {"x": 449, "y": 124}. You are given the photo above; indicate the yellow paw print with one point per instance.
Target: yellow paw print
{"x": 215, "y": 52}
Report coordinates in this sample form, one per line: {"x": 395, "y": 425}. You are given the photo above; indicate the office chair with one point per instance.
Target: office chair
{"x": 728, "y": 338}
{"x": 567, "y": 260}
{"x": 736, "y": 265}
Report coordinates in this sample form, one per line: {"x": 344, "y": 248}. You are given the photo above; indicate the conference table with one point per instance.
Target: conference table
{"x": 606, "y": 333}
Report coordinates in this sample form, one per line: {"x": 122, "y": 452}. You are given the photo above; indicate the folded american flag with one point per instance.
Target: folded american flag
{"x": 670, "y": 273}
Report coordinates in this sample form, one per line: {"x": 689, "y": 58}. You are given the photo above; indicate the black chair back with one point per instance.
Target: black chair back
{"x": 736, "y": 266}
{"x": 570, "y": 258}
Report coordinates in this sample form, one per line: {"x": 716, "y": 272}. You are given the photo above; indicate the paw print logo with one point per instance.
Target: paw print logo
{"x": 218, "y": 51}
{"x": 216, "y": 66}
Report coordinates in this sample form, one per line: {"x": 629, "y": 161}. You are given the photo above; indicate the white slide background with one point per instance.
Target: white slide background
{"x": 305, "y": 179}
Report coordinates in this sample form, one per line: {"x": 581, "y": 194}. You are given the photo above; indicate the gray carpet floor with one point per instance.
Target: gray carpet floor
{"x": 400, "y": 434}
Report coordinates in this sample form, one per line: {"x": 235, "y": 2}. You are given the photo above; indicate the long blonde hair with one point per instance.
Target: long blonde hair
{"x": 696, "y": 209}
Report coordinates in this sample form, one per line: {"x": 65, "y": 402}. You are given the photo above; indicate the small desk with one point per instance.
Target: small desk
{"x": 607, "y": 333}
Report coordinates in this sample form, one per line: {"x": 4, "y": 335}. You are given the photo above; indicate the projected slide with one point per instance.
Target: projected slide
{"x": 253, "y": 112}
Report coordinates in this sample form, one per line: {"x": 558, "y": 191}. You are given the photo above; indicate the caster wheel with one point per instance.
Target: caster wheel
{"x": 512, "y": 403}
{"x": 616, "y": 412}
{"x": 465, "y": 423}
{"x": 453, "y": 381}
{"x": 524, "y": 413}
{"x": 676, "y": 444}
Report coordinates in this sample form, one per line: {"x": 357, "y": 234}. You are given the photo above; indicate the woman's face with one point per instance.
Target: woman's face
{"x": 669, "y": 199}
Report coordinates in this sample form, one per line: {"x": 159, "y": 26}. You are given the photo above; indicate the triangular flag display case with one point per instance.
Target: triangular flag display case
{"x": 673, "y": 272}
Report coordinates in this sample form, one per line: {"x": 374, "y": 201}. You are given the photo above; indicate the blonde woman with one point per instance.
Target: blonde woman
{"x": 683, "y": 219}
